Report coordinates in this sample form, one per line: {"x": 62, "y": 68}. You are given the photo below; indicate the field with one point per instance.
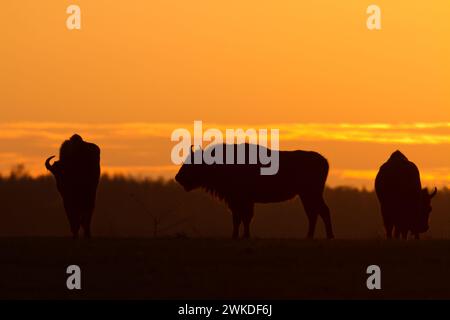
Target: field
{"x": 171, "y": 268}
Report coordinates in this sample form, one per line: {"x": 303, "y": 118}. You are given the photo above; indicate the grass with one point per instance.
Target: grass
{"x": 35, "y": 268}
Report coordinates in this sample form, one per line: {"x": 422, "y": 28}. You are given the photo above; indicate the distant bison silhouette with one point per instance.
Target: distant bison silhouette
{"x": 77, "y": 174}
{"x": 405, "y": 206}
{"x": 300, "y": 173}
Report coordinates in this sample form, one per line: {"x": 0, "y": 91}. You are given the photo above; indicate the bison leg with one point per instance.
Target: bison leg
{"x": 326, "y": 218}
{"x": 242, "y": 212}
{"x": 74, "y": 222}
{"x": 315, "y": 206}
{"x": 389, "y": 227}
{"x": 387, "y": 221}
{"x": 396, "y": 233}
{"x": 74, "y": 234}
{"x": 87, "y": 231}
{"x": 312, "y": 220}
{"x": 311, "y": 213}
{"x": 236, "y": 223}
{"x": 247, "y": 215}
{"x": 74, "y": 228}
{"x": 86, "y": 224}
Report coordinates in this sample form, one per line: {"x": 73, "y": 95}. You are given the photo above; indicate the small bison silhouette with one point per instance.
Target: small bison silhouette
{"x": 300, "y": 173}
{"x": 77, "y": 174}
{"x": 405, "y": 206}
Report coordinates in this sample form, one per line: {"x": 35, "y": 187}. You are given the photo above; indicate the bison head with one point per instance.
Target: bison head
{"x": 190, "y": 174}
{"x": 425, "y": 209}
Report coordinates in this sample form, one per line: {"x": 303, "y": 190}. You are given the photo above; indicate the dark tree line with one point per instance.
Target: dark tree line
{"x": 128, "y": 207}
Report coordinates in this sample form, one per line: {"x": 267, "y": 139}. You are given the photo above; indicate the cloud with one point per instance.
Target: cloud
{"x": 143, "y": 149}
{"x": 414, "y": 133}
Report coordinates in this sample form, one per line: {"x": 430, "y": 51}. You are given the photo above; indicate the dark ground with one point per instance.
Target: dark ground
{"x": 35, "y": 268}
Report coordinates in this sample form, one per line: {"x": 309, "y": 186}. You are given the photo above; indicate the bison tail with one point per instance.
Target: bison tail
{"x": 324, "y": 168}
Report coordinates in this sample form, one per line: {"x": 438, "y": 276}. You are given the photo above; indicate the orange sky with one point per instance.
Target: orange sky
{"x": 139, "y": 69}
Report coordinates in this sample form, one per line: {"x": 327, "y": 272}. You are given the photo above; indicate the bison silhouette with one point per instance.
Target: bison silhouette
{"x": 77, "y": 174}
{"x": 301, "y": 173}
{"x": 405, "y": 206}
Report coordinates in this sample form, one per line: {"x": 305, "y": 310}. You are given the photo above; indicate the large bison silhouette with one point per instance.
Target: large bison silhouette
{"x": 405, "y": 206}
{"x": 77, "y": 174}
{"x": 300, "y": 173}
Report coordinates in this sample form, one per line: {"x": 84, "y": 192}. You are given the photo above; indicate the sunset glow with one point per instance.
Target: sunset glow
{"x": 138, "y": 70}
{"x": 143, "y": 149}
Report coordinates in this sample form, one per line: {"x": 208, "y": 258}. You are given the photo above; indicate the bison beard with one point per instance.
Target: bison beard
{"x": 301, "y": 173}
{"x": 77, "y": 174}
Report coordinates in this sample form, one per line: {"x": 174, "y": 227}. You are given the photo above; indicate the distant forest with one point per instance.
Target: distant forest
{"x": 128, "y": 207}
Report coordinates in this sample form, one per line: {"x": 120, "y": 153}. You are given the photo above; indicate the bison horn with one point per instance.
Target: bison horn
{"x": 48, "y": 165}
{"x": 434, "y": 193}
